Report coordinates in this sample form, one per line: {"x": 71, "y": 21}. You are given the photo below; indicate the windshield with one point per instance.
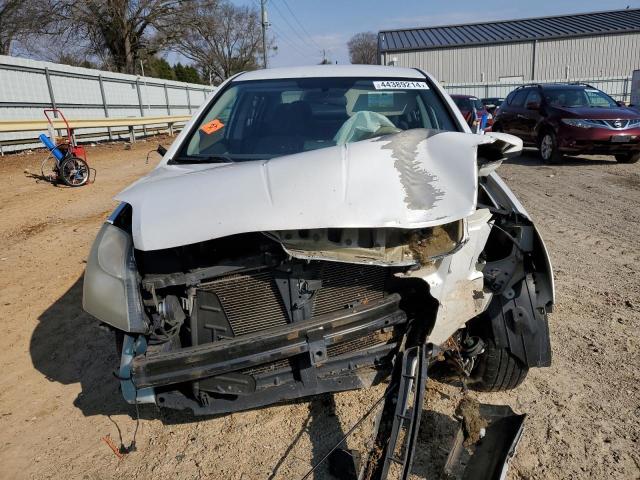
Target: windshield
{"x": 578, "y": 98}
{"x": 266, "y": 118}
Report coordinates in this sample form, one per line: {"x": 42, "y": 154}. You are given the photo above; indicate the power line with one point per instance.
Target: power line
{"x": 286, "y": 4}
{"x": 293, "y": 29}
{"x": 295, "y": 46}
{"x": 292, "y": 44}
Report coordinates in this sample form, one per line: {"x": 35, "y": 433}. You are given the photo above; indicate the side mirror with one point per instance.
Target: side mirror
{"x": 533, "y": 106}
{"x": 621, "y": 103}
{"x": 161, "y": 150}
{"x": 491, "y": 155}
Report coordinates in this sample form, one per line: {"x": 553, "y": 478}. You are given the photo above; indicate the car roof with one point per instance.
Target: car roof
{"x": 564, "y": 85}
{"x": 460, "y": 95}
{"x": 315, "y": 71}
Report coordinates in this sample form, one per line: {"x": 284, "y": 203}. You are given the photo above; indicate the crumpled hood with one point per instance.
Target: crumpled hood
{"x": 413, "y": 179}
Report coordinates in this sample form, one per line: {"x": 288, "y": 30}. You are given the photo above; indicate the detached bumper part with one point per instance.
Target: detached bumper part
{"x": 396, "y": 433}
{"x": 490, "y": 456}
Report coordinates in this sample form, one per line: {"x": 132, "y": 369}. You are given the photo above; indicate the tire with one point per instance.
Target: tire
{"x": 548, "y": 147}
{"x": 497, "y": 370}
{"x": 118, "y": 337}
{"x": 627, "y": 157}
{"x": 74, "y": 172}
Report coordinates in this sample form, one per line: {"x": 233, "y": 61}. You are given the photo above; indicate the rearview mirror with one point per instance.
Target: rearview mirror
{"x": 533, "y": 106}
{"x": 161, "y": 150}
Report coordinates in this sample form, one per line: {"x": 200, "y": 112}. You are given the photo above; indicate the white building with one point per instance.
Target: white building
{"x": 580, "y": 46}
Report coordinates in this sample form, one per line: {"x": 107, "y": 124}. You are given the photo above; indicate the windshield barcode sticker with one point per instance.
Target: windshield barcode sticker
{"x": 399, "y": 85}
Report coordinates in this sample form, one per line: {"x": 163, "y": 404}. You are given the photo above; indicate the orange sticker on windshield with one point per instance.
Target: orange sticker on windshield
{"x": 212, "y": 127}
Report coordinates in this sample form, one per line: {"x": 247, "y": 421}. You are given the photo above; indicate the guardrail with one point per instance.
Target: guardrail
{"x": 78, "y": 124}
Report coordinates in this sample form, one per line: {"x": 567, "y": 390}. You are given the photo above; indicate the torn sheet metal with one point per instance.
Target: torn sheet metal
{"x": 457, "y": 281}
{"x": 413, "y": 179}
{"x": 381, "y": 246}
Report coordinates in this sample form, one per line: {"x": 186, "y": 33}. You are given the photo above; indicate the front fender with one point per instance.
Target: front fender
{"x": 502, "y": 195}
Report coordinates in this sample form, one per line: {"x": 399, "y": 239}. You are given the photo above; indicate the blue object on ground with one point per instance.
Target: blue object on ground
{"x": 51, "y": 146}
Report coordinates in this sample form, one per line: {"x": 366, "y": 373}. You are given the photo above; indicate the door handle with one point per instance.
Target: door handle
{"x": 521, "y": 117}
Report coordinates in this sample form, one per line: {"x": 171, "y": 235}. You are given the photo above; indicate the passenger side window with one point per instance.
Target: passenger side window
{"x": 597, "y": 99}
{"x": 533, "y": 97}
{"x": 518, "y": 100}
{"x": 509, "y": 98}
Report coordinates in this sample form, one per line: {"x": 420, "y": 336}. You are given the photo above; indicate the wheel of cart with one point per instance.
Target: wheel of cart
{"x": 74, "y": 171}
{"x": 66, "y": 162}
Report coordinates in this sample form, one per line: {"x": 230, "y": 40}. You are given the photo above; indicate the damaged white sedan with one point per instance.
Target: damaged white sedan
{"x": 315, "y": 230}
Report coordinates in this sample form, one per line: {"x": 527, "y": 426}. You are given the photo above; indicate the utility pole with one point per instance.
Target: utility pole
{"x": 146, "y": 90}
{"x": 265, "y": 24}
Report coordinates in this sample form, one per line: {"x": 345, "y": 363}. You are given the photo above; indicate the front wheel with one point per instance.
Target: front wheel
{"x": 74, "y": 172}
{"x": 548, "y": 146}
{"x": 627, "y": 157}
{"x": 497, "y": 369}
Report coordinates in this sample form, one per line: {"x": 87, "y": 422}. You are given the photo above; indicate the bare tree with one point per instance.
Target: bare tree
{"x": 219, "y": 37}
{"x": 119, "y": 32}
{"x": 363, "y": 48}
{"x": 20, "y": 19}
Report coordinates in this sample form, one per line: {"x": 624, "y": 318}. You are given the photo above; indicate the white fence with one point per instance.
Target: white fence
{"x": 618, "y": 88}
{"x": 28, "y": 86}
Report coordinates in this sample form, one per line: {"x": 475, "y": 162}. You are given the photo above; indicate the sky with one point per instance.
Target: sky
{"x": 301, "y": 29}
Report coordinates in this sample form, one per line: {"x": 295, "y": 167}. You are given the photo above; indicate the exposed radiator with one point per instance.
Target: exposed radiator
{"x": 252, "y": 301}
{"x": 344, "y": 284}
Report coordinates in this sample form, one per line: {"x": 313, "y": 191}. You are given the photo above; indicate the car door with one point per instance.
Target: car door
{"x": 509, "y": 121}
{"x": 530, "y": 116}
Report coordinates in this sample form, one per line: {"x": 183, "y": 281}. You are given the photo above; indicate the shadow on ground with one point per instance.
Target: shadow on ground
{"x": 435, "y": 439}
{"x": 324, "y": 430}
{"x": 69, "y": 346}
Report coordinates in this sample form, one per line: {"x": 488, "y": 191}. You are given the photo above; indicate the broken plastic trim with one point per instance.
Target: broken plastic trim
{"x": 400, "y": 413}
{"x": 491, "y": 155}
{"x": 488, "y": 458}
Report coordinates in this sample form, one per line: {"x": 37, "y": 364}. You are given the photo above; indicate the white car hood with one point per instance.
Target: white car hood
{"x": 413, "y": 179}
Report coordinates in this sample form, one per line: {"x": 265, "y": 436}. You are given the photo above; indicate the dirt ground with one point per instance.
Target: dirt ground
{"x": 58, "y": 397}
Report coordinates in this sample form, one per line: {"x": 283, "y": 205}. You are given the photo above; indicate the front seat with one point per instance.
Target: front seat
{"x": 289, "y": 128}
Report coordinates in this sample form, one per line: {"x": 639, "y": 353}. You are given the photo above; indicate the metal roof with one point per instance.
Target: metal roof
{"x": 507, "y": 31}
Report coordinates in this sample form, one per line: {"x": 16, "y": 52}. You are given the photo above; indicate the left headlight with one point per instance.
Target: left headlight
{"x": 579, "y": 122}
{"x": 110, "y": 291}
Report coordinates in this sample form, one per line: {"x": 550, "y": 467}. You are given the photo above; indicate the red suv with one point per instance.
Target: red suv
{"x": 570, "y": 118}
